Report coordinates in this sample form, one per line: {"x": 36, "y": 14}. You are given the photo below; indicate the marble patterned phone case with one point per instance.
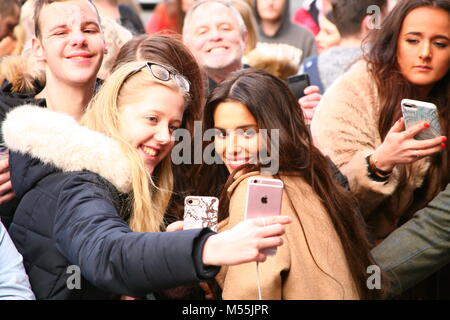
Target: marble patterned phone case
{"x": 201, "y": 212}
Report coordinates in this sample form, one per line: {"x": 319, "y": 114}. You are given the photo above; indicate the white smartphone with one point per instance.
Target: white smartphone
{"x": 200, "y": 212}
{"x": 264, "y": 198}
{"x": 415, "y": 111}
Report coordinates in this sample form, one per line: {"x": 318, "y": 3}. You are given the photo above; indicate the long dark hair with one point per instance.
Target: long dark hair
{"x": 392, "y": 87}
{"x": 272, "y": 104}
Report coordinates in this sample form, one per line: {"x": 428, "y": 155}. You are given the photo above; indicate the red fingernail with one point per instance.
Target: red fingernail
{"x": 443, "y": 145}
{"x": 444, "y": 139}
{"x": 426, "y": 125}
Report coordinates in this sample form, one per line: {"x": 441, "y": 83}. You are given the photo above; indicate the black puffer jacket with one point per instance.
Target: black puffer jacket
{"x": 8, "y": 101}
{"x": 70, "y": 182}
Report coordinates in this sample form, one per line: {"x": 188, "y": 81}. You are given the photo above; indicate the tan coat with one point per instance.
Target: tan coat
{"x": 345, "y": 127}
{"x": 293, "y": 272}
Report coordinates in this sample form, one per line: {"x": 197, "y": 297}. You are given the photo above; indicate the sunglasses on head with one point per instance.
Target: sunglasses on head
{"x": 163, "y": 73}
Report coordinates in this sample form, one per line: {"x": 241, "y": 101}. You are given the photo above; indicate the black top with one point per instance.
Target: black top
{"x": 8, "y": 101}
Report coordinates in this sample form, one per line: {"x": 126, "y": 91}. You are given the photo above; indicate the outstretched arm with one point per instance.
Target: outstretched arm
{"x": 91, "y": 235}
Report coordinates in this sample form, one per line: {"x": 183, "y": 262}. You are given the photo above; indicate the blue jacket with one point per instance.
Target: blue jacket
{"x": 71, "y": 184}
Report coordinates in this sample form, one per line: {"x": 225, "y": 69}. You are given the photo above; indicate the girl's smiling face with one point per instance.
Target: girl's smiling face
{"x": 148, "y": 120}
{"x": 237, "y": 138}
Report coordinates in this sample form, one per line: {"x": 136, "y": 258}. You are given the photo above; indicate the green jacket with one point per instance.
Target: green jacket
{"x": 418, "y": 248}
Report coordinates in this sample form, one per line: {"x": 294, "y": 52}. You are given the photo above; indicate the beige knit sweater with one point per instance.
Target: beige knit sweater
{"x": 345, "y": 127}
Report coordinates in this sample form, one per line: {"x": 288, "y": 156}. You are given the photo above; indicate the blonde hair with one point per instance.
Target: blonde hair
{"x": 249, "y": 19}
{"x": 148, "y": 200}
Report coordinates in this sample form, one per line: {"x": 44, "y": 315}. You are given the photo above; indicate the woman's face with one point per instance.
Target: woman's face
{"x": 148, "y": 120}
{"x": 423, "y": 46}
{"x": 237, "y": 137}
{"x": 328, "y": 36}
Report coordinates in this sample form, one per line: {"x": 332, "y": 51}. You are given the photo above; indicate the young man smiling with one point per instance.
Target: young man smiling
{"x": 69, "y": 42}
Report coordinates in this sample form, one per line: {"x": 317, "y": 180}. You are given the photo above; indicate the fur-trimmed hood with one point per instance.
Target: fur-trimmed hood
{"x": 56, "y": 139}
{"x": 281, "y": 60}
{"x": 24, "y": 74}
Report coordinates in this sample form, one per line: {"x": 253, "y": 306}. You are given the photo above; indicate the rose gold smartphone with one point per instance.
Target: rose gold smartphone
{"x": 264, "y": 198}
{"x": 200, "y": 212}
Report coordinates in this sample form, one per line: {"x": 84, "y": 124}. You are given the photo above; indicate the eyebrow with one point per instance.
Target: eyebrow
{"x": 240, "y": 127}
{"x": 159, "y": 113}
{"x": 442, "y": 37}
{"x": 88, "y": 23}
{"x": 64, "y": 25}
{"x": 439, "y": 36}
{"x": 84, "y": 24}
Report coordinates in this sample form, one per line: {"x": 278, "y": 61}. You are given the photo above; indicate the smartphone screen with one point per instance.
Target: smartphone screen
{"x": 264, "y": 198}
{"x": 200, "y": 212}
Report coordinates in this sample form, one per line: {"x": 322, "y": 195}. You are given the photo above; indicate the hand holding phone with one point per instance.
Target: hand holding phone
{"x": 264, "y": 198}
{"x": 415, "y": 111}
{"x": 201, "y": 212}
{"x": 298, "y": 84}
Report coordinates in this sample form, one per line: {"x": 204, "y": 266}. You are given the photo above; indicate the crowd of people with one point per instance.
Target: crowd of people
{"x": 93, "y": 102}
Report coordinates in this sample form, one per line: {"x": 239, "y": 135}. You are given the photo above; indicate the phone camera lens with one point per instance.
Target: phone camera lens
{"x": 190, "y": 201}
